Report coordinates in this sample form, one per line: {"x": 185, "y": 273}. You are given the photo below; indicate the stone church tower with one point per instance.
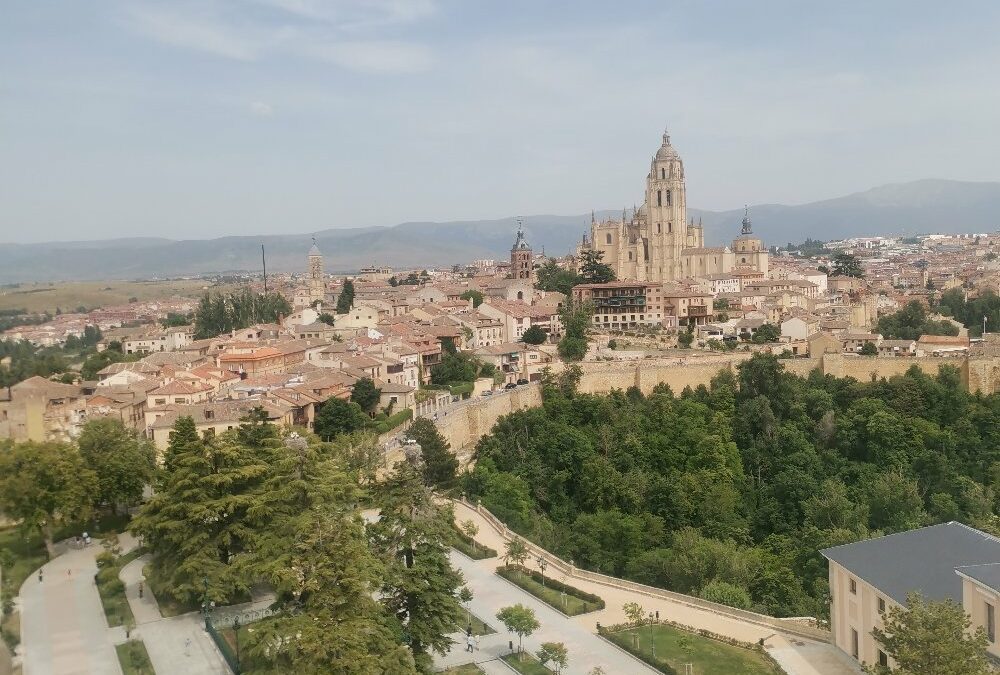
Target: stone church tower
{"x": 657, "y": 242}
{"x": 317, "y": 286}
{"x": 521, "y": 257}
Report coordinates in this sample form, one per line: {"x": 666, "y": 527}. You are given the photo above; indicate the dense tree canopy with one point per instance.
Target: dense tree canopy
{"x": 122, "y": 461}
{"x": 593, "y": 269}
{"x": 971, "y": 312}
{"x": 346, "y": 298}
{"x": 224, "y": 312}
{"x": 534, "y": 335}
{"x": 730, "y": 490}
{"x": 474, "y": 295}
{"x": 910, "y": 322}
{"x": 847, "y": 265}
{"x": 552, "y": 277}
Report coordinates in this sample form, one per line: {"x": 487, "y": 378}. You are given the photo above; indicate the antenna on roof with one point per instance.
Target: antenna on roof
{"x": 263, "y": 261}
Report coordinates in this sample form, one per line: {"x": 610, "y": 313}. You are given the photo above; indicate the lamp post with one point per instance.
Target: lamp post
{"x": 204, "y": 602}
{"x": 652, "y": 648}
{"x": 542, "y": 564}
{"x": 236, "y": 635}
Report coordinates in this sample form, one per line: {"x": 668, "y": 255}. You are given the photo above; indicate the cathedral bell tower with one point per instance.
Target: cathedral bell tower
{"x": 666, "y": 204}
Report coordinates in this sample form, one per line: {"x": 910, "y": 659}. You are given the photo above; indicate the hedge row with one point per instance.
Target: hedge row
{"x": 394, "y": 420}
{"x": 471, "y": 547}
{"x": 512, "y": 573}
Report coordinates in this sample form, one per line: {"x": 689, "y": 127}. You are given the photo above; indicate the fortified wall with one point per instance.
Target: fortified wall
{"x": 466, "y": 424}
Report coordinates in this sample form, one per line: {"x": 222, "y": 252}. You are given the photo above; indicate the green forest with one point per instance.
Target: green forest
{"x": 729, "y": 491}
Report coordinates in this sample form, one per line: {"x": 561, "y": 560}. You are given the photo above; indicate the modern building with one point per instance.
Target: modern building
{"x": 658, "y": 243}
{"x": 620, "y": 305}
{"x": 946, "y": 561}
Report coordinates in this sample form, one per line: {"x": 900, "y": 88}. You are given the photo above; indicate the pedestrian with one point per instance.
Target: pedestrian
{"x": 39, "y": 576}
{"x": 140, "y": 590}
{"x": 69, "y": 573}
{"x": 470, "y": 643}
{"x": 187, "y": 646}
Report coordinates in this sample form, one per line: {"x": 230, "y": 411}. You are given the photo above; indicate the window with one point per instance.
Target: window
{"x": 659, "y": 198}
{"x": 854, "y": 643}
{"x": 883, "y": 659}
{"x": 991, "y": 623}
{"x": 668, "y": 197}
{"x": 160, "y": 401}
{"x": 658, "y": 228}
{"x": 607, "y": 238}
{"x": 853, "y": 586}
{"x": 881, "y": 605}
{"x": 670, "y": 228}
{"x": 663, "y": 173}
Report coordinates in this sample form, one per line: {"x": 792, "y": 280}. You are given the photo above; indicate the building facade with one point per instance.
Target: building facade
{"x": 658, "y": 243}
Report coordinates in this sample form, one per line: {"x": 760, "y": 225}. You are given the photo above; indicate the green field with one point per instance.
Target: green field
{"x": 133, "y": 658}
{"x": 466, "y": 669}
{"x": 67, "y": 296}
{"x": 479, "y": 627}
{"x": 673, "y": 648}
{"x": 526, "y": 663}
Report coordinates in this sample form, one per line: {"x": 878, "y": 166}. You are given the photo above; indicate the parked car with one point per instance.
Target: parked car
{"x": 522, "y": 381}
{"x": 510, "y": 385}
{"x": 488, "y": 392}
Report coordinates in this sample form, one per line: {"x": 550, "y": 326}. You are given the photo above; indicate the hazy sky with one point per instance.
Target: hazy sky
{"x": 199, "y": 119}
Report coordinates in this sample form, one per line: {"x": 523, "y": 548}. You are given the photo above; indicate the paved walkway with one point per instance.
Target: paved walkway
{"x": 797, "y": 656}
{"x": 177, "y": 645}
{"x": 492, "y": 592}
{"x": 63, "y": 628}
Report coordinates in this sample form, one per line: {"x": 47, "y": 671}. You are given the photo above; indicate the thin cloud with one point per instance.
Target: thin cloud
{"x": 375, "y": 56}
{"x": 261, "y": 109}
{"x": 200, "y": 34}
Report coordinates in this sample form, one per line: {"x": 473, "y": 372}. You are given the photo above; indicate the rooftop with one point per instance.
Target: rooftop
{"x": 923, "y": 560}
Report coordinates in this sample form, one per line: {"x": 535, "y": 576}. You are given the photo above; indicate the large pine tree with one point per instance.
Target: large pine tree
{"x": 420, "y": 587}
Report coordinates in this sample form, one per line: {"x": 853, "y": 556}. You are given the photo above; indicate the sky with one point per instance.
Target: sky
{"x": 181, "y": 119}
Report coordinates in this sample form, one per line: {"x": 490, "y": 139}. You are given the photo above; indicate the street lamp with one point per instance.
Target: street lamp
{"x": 236, "y": 635}
{"x": 652, "y": 648}
{"x": 542, "y": 564}
{"x": 204, "y": 602}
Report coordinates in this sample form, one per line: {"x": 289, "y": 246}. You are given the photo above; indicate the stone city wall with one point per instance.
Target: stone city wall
{"x": 465, "y": 424}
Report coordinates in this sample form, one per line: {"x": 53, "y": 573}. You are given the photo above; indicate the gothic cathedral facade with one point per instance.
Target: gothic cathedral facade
{"x": 657, "y": 242}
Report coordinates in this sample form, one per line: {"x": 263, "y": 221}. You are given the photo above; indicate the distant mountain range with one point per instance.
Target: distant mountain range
{"x": 923, "y": 206}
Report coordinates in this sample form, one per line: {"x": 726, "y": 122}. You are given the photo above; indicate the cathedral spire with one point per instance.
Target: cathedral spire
{"x": 747, "y": 229}
{"x": 666, "y": 136}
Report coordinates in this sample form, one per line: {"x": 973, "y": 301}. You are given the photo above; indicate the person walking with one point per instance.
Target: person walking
{"x": 470, "y": 642}
{"x": 39, "y": 575}
{"x": 187, "y": 646}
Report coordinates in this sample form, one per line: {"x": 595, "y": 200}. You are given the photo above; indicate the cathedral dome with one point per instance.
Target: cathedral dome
{"x": 666, "y": 150}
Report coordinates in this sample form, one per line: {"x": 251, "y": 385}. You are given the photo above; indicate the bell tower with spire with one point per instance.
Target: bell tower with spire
{"x": 666, "y": 204}
{"x": 521, "y": 256}
{"x": 317, "y": 287}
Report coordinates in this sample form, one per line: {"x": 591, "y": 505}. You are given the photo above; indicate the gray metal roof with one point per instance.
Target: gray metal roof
{"x": 922, "y": 560}
{"x": 988, "y": 574}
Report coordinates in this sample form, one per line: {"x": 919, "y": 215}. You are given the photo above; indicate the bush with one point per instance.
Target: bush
{"x": 471, "y": 547}
{"x": 393, "y": 421}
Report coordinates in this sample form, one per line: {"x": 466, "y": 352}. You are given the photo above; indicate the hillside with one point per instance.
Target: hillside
{"x": 910, "y": 208}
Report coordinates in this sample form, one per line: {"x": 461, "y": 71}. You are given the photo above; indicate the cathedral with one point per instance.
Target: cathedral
{"x": 657, "y": 242}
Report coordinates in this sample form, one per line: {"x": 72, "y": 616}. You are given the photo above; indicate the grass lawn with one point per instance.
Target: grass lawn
{"x": 133, "y": 658}
{"x": 707, "y": 656}
{"x": 29, "y": 554}
{"x": 479, "y": 627}
{"x": 567, "y": 603}
{"x": 116, "y": 607}
{"x": 466, "y": 669}
{"x": 526, "y": 663}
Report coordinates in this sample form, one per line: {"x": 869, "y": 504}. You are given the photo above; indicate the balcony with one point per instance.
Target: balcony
{"x": 697, "y": 310}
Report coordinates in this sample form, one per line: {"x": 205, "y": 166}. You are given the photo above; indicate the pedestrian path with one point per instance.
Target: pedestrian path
{"x": 63, "y": 627}
{"x": 796, "y": 656}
